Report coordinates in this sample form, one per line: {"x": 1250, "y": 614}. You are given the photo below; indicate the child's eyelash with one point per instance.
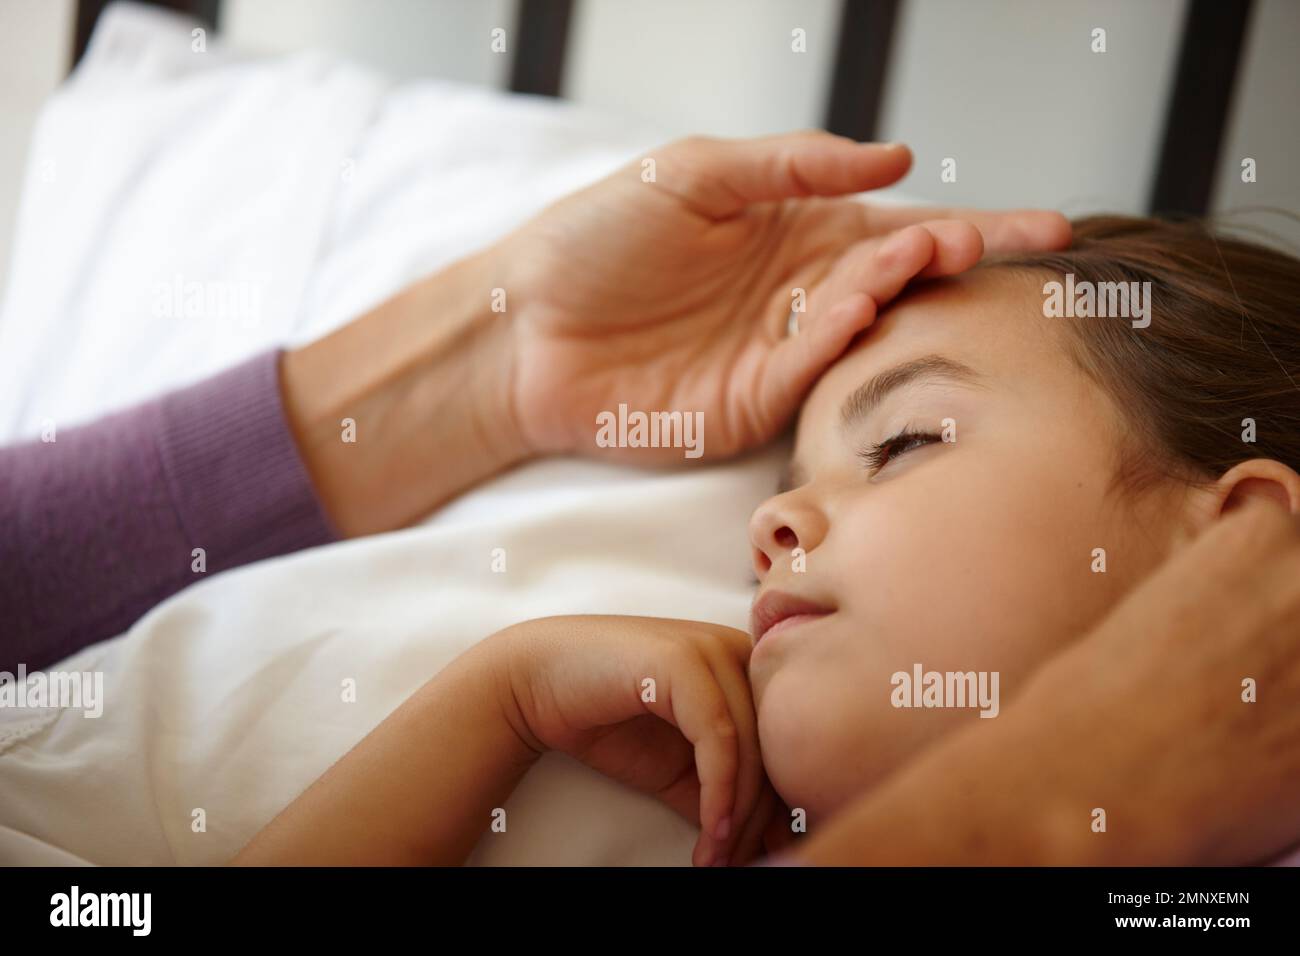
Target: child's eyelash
{"x": 876, "y": 456}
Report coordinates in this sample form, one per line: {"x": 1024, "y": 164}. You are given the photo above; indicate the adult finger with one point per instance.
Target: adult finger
{"x": 718, "y": 178}
{"x": 882, "y": 267}
{"x": 1011, "y": 230}
{"x": 870, "y": 274}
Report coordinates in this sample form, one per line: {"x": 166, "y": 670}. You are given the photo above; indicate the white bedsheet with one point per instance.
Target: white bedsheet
{"x": 328, "y": 189}
{"x": 228, "y": 697}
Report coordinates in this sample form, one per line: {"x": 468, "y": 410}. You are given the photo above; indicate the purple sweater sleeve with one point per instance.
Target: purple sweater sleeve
{"x": 99, "y": 525}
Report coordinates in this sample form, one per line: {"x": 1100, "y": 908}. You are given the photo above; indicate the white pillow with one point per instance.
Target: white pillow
{"x": 282, "y": 196}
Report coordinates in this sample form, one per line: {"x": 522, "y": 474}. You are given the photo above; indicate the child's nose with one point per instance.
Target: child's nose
{"x": 779, "y": 527}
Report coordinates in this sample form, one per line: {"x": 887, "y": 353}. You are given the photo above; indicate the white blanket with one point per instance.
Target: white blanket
{"x": 327, "y": 190}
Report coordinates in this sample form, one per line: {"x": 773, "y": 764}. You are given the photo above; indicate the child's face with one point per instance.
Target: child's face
{"x": 970, "y": 555}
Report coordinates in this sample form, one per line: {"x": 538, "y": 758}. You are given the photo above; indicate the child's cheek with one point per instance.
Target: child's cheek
{"x": 819, "y": 725}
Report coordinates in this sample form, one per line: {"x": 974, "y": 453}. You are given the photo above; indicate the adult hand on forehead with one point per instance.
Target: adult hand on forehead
{"x": 668, "y": 285}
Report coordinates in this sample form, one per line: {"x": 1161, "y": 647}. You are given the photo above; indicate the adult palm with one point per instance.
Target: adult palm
{"x": 668, "y": 285}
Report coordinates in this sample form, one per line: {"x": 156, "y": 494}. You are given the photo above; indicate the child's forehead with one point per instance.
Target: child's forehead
{"x": 960, "y": 312}
{"x": 977, "y": 321}
{"x": 976, "y": 316}
{"x": 989, "y": 323}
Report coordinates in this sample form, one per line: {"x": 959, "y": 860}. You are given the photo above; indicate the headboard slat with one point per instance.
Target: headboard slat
{"x": 1213, "y": 35}
{"x": 88, "y": 12}
{"x": 541, "y": 36}
{"x": 858, "y": 83}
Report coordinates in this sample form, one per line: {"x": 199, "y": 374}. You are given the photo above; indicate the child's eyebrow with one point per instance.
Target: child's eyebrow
{"x": 872, "y": 392}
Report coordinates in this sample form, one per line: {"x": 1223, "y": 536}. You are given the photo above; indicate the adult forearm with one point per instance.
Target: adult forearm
{"x": 365, "y": 430}
{"x": 409, "y": 405}
{"x": 98, "y": 523}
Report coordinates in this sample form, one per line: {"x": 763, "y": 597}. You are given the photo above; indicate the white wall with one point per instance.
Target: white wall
{"x": 1008, "y": 88}
{"x": 1013, "y": 92}
{"x": 1265, "y": 126}
{"x": 35, "y": 49}
{"x": 723, "y": 67}
{"x": 401, "y": 38}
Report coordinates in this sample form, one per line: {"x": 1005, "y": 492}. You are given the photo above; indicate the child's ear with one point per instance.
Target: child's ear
{"x": 1257, "y": 479}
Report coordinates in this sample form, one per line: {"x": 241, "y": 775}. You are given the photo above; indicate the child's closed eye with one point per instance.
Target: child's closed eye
{"x": 876, "y": 455}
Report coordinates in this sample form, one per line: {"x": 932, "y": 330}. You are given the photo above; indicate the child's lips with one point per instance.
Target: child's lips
{"x": 792, "y": 621}
{"x": 777, "y": 611}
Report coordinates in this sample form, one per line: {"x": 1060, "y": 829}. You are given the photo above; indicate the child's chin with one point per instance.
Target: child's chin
{"x": 807, "y": 768}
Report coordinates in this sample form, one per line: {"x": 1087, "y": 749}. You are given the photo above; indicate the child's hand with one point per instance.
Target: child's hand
{"x": 660, "y": 705}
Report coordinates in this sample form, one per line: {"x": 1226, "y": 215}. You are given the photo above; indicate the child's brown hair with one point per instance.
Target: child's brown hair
{"x": 1222, "y": 347}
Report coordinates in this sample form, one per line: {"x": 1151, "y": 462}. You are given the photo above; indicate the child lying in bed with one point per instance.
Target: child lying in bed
{"x": 973, "y": 486}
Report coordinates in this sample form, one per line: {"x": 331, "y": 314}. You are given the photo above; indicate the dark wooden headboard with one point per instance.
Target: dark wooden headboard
{"x": 1196, "y": 115}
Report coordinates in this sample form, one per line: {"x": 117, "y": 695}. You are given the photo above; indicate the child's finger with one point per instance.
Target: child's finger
{"x": 729, "y": 672}
{"x": 779, "y": 833}
{"x": 750, "y": 843}
{"x": 663, "y": 749}
{"x": 696, "y": 705}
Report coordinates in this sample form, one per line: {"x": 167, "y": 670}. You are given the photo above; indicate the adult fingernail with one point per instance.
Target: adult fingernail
{"x": 723, "y": 828}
